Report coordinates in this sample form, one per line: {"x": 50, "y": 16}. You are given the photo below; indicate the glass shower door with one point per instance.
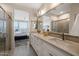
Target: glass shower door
{"x": 2, "y": 32}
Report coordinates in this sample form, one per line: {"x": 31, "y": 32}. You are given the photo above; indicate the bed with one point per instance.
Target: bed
{"x": 21, "y": 35}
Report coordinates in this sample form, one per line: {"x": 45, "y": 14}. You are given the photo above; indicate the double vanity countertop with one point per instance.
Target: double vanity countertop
{"x": 66, "y": 45}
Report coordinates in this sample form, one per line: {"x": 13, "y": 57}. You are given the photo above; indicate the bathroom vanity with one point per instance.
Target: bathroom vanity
{"x": 53, "y": 46}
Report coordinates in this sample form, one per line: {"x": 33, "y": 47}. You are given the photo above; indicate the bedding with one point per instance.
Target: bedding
{"x": 21, "y": 35}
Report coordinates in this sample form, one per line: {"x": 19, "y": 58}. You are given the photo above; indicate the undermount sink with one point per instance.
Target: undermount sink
{"x": 55, "y": 38}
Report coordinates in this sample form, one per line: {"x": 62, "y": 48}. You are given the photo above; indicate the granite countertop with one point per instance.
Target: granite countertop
{"x": 66, "y": 45}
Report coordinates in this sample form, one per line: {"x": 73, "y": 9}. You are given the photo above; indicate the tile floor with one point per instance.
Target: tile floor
{"x": 23, "y": 48}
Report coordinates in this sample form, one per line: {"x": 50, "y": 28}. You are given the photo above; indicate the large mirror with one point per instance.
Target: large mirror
{"x": 62, "y": 19}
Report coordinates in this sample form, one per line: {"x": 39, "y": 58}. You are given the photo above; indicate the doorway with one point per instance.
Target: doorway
{"x": 21, "y": 34}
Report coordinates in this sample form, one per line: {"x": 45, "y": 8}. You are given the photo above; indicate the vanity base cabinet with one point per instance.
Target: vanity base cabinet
{"x": 38, "y": 46}
{"x": 44, "y": 48}
{"x": 55, "y": 51}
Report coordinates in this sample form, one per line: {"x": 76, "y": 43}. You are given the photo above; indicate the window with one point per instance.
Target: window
{"x": 20, "y": 26}
{"x": 23, "y": 26}
{"x": 16, "y": 26}
{"x": 2, "y": 26}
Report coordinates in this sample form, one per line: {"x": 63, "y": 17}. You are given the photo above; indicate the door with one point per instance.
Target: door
{"x": 2, "y": 32}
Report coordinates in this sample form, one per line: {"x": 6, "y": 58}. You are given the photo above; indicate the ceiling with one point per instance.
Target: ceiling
{"x": 29, "y": 7}
{"x": 34, "y": 7}
{"x": 63, "y": 8}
